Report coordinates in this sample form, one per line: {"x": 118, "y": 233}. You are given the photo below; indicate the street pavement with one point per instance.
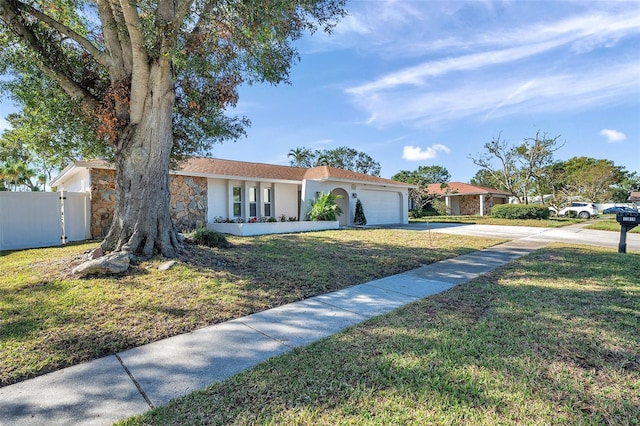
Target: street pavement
{"x": 118, "y": 386}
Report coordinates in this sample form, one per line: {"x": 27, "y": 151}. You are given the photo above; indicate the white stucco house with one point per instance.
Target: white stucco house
{"x": 208, "y": 190}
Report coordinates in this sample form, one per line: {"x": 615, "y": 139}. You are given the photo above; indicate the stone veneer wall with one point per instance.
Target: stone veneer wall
{"x": 188, "y": 201}
{"x": 103, "y": 200}
{"x": 470, "y": 204}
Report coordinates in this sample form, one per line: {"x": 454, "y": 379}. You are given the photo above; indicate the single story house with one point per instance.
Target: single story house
{"x": 208, "y": 190}
{"x": 463, "y": 199}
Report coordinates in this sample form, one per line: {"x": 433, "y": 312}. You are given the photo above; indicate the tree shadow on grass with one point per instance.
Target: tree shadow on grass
{"x": 256, "y": 274}
{"x": 528, "y": 343}
{"x": 304, "y": 267}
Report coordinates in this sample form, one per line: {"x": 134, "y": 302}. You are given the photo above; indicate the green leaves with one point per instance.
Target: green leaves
{"x": 82, "y": 50}
{"x": 325, "y": 207}
{"x": 341, "y": 158}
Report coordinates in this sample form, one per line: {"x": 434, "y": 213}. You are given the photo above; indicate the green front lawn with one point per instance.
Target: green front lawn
{"x": 50, "y": 320}
{"x": 550, "y": 339}
{"x": 608, "y": 222}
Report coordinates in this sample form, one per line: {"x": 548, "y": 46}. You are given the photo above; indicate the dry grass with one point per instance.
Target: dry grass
{"x": 550, "y": 339}
{"x": 50, "y": 320}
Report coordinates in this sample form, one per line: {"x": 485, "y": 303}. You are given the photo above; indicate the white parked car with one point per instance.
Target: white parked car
{"x": 581, "y": 210}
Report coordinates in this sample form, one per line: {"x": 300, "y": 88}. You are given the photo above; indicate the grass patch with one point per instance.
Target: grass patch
{"x": 549, "y": 339}
{"x": 555, "y": 222}
{"x": 50, "y": 320}
{"x": 608, "y": 223}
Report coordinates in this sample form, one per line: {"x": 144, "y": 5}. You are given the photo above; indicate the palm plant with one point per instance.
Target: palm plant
{"x": 300, "y": 157}
{"x": 322, "y": 160}
{"x": 325, "y": 207}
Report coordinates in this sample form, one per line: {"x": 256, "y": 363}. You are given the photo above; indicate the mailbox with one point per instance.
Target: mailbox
{"x": 627, "y": 221}
{"x": 628, "y": 218}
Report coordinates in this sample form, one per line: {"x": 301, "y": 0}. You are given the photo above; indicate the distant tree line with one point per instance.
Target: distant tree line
{"x": 342, "y": 158}
{"x": 529, "y": 171}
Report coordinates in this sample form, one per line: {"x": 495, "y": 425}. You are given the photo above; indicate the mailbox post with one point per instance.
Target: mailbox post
{"x": 627, "y": 221}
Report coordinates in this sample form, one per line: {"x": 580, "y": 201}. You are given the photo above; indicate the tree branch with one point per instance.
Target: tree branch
{"x": 116, "y": 45}
{"x": 140, "y": 60}
{"x": 16, "y": 23}
{"x": 181, "y": 9}
{"x": 100, "y": 56}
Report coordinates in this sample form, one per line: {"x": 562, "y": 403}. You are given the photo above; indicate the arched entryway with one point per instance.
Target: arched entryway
{"x": 343, "y": 203}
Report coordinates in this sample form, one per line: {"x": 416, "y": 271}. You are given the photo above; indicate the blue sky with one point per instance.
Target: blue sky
{"x": 419, "y": 83}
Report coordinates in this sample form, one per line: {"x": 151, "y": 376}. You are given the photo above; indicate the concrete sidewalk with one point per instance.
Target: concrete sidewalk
{"x": 131, "y": 382}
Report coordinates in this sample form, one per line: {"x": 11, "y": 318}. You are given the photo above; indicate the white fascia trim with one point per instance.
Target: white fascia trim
{"x": 365, "y": 183}
{"x": 72, "y": 169}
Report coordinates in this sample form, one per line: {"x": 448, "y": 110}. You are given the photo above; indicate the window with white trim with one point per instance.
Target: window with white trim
{"x": 237, "y": 201}
{"x": 253, "y": 202}
{"x": 266, "y": 198}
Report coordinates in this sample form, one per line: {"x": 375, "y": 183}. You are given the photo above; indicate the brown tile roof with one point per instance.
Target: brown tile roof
{"x": 461, "y": 188}
{"x": 242, "y": 169}
{"x": 332, "y": 173}
{"x": 231, "y": 168}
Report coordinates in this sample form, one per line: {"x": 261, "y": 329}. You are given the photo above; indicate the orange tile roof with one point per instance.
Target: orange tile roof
{"x": 461, "y": 188}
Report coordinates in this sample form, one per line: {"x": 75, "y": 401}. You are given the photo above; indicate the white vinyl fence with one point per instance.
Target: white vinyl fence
{"x": 43, "y": 219}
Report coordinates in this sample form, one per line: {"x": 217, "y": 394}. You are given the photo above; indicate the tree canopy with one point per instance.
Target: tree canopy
{"x": 422, "y": 177}
{"x": 148, "y": 81}
{"x": 529, "y": 169}
{"x": 588, "y": 178}
{"x": 342, "y": 158}
{"x": 518, "y": 167}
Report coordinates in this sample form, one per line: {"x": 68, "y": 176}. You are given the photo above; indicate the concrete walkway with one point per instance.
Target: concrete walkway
{"x": 131, "y": 382}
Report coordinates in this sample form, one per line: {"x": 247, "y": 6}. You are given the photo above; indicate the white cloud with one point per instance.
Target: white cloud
{"x": 548, "y": 65}
{"x": 352, "y": 24}
{"x": 416, "y": 75}
{"x": 580, "y": 34}
{"x": 484, "y": 98}
{"x": 613, "y": 135}
{"x": 415, "y": 153}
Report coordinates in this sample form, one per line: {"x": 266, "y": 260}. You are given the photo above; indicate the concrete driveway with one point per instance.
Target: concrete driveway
{"x": 573, "y": 234}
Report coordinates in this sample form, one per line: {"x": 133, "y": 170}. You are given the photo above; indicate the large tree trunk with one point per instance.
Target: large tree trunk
{"x": 142, "y": 225}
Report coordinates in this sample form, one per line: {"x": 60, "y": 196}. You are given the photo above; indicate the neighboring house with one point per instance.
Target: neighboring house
{"x": 204, "y": 190}
{"x": 467, "y": 200}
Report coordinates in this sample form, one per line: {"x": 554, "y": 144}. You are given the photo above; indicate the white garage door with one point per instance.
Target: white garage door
{"x": 381, "y": 207}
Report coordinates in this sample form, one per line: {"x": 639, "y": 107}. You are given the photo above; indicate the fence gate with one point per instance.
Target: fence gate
{"x": 42, "y": 219}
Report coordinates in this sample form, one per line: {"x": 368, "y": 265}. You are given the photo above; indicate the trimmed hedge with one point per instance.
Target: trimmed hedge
{"x": 520, "y": 211}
